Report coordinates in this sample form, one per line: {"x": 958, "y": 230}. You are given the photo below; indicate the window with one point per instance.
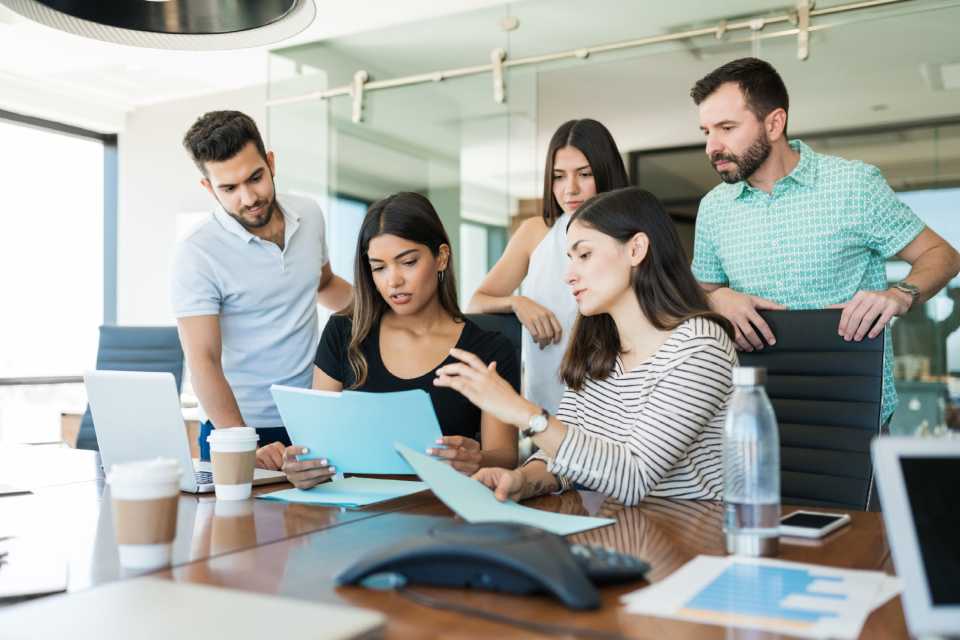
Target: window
{"x": 343, "y": 229}
{"x": 481, "y": 245}
{"x": 57, "y": 266}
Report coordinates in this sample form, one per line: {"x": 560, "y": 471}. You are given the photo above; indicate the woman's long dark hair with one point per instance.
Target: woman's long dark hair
{"x": 666, "y": 290}
{"x": 594, "y": 141}
{"x": 409, "y": 216}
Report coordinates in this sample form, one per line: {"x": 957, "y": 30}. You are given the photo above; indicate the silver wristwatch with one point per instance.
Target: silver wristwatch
{"x": 536, "y": 424}
{"x": 911, "y": 289}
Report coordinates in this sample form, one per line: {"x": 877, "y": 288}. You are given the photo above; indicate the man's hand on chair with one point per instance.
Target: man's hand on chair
{"x": 870, "y": 309}
{"x": 741, "y": 310}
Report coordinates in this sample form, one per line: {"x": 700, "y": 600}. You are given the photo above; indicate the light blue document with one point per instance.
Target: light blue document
{"x": 349, "y": 492}
{"x": 356, "y": 430}
{"x": 475, "y": 503}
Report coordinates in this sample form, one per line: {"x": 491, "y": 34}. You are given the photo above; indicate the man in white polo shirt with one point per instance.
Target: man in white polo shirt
{"x": 246, "y": 282}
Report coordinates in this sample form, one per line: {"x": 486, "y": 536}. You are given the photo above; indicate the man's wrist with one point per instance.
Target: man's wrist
{"x": 718, "y": 291}
{"x": 904, "y": 297}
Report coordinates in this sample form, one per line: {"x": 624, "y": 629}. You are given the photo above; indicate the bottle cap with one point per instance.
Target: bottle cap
{"x": 749, "y": 376}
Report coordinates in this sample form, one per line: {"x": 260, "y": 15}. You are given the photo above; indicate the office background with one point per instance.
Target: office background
{"x": 100, "y": 189}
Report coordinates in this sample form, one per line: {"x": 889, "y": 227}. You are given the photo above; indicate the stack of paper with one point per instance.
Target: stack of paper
{"x": 803, "y": 600}
{"x": 349, "y": 492}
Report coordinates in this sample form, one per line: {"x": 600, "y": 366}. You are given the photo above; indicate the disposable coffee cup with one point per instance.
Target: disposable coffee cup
{"x": 144, "y": 497}
{"x": 233, "y": 454}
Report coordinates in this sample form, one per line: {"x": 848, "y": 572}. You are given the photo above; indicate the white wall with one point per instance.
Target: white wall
{"x": 43, "y": 99}
{"x": 158, "y": 181}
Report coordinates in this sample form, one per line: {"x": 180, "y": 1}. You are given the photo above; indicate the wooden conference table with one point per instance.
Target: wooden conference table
{"x": 295, "y": 550}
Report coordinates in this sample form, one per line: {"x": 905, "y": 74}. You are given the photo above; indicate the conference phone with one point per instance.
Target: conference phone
{"x": 497, "y": 556}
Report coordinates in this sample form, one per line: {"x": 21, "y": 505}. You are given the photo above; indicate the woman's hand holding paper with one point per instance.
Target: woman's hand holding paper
{"x": 304, "y": 474}
{"x": 506, "y": 484}
{"x": 463, "y": 454}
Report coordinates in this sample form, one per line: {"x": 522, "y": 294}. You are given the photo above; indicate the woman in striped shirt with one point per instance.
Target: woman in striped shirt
{"x": 648, "y": 369}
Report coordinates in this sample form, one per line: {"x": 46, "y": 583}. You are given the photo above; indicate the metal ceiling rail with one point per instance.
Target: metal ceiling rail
{"x": 799, "y": 19}
{"x": 40, "y": 380}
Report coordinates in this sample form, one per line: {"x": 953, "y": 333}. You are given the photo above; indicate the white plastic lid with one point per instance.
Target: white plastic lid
{"x": 230, "y": 435}
{"x": 156, "y": 471}
{"x": 749, "y": 376}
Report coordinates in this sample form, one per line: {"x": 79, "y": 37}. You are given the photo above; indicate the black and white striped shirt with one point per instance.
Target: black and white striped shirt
{"x": 656, "y": 430}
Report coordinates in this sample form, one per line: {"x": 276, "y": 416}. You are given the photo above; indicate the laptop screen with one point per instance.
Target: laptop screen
{"x": 933, "y": 485}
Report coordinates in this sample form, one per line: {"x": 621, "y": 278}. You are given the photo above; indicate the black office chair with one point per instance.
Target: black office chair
{"x": 133, "y": 349}
{"x": 826, "y": 393}
{"x": 505, "y": 323}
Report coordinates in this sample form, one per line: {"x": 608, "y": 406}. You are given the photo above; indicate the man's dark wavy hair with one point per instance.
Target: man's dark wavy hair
{"x": 219, "y": 135}
{"x": 762, "y": 86}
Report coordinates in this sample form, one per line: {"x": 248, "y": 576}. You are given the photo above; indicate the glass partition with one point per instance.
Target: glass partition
{"x": 448, "y": 140}
{"x": 880, "y": 85}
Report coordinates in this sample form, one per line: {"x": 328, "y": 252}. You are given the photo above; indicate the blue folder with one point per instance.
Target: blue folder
{"x": 473, "y": 502}
{"x": 356, "y": 430}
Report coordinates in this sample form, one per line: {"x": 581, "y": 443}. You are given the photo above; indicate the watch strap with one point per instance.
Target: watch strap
{"x": 911, "y": 289}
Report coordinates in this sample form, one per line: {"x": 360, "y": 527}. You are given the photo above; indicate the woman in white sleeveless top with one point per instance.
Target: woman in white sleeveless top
{"x": 582, "y": 160}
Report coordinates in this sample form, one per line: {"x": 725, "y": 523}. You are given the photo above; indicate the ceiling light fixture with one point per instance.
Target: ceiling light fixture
{"x": 174, "y": 24}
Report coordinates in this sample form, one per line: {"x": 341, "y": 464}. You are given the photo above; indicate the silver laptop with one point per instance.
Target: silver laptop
{"x": 920, "y": 494}
{"x": 137, "y": 415}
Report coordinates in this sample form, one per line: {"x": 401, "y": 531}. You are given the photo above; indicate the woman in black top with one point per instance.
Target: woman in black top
{"x": 400, "y": 329}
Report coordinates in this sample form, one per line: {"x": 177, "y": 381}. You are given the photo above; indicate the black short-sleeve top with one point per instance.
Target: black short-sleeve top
{"x": 457, "y": 415}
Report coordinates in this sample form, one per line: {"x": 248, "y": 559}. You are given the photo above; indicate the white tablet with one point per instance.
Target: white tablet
{"x": 919, "y": 483}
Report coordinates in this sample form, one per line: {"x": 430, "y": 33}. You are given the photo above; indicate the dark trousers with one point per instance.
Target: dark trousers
{"x": 267, "y": 435}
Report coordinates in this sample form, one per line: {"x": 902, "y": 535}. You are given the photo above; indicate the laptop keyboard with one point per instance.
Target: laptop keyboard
{"x": 203, "y": 477}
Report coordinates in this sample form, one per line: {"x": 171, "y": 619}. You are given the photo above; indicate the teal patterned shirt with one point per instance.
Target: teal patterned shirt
{"x": 821, "y": 235}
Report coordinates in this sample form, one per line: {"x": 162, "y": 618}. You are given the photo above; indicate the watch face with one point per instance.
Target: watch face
{"x": 538, "y": 423}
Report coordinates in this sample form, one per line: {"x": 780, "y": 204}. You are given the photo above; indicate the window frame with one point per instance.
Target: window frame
{"x": 110, "y": 199}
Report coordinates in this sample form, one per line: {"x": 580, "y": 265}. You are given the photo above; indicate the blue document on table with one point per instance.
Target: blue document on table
{"x": 473, "y": 502}
{"x": 356, "y": 430}
{"x": 349, "y": 492}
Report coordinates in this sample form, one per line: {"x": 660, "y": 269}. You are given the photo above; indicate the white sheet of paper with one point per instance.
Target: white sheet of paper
{"x": 30, "y": 568}
{"x": 475, "y": 503}
{"x": 803, "y": 600}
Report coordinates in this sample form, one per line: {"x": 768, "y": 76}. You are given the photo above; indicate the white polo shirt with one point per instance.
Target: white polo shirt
{"x": 266, "y": 299}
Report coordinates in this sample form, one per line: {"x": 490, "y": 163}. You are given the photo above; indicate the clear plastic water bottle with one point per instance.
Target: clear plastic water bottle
{"x": 751, "y": 468}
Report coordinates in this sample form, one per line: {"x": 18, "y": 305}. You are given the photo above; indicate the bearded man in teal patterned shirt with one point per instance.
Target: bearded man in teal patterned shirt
{"x": 790, "y": 228}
